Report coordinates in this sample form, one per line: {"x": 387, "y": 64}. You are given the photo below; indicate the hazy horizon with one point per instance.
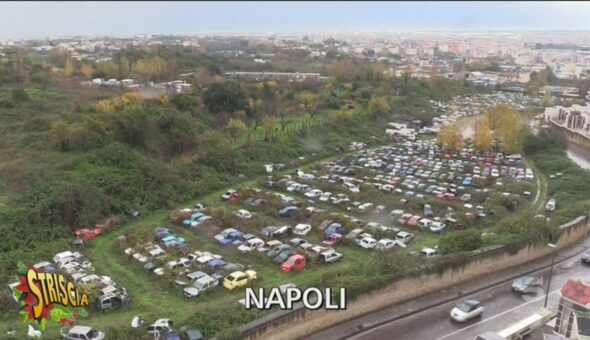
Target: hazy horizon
{"x": 64, "y": 19}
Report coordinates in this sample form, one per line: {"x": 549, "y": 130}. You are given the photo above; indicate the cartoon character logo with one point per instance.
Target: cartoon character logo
{"x": 45, "y": 296}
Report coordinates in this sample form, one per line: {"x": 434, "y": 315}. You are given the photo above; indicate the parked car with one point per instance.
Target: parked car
{"x": 333, "y": 240}
{"x": 289, "y": 211}
{"x": 251, "y": 245}
{"x": 242, "y": 213}
{"x": 466, "y": 310}
{"x": 404, "y": 237}
{"x": 368, "y": 242}
{"x": 82, "y": 332}
{"x": 295, "y": 262}
{"x": 334, "y": 228}
{"x": 302, "y": 229}
{"x": 229, "y": 195}
{"x": 586, "y": 257}
{"x": 160, "y": 326}
{"x": 551, "y": 204}
{"x": 239, "y": 279}
{"x": 283, "y": 256}
{"x": 200, "y": 286}
{"x": 330, "y": 256}
{"x": 385, "y": 244}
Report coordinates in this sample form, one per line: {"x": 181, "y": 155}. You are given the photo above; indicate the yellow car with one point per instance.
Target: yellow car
{"x": 239, "y": 279}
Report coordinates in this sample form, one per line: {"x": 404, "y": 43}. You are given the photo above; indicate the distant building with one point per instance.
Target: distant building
{"x": 573, "y": 312}
{"x": 575, "y": 117}
{"x": 277, "y": 76}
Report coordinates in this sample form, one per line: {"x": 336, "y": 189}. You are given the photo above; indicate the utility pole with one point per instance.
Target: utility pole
{"x": 550, "y": 274}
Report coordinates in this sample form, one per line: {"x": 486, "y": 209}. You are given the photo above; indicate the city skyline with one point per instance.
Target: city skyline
{"x": 63, "y": 19}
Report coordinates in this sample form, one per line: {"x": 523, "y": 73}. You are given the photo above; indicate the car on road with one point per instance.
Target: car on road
{"x": 526, "y": 283}
{"x": 466, "y": 310}
{"x": 586, "y": 257}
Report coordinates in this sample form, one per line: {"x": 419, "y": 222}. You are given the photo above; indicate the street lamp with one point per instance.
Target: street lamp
{"x": 550, "y": 273}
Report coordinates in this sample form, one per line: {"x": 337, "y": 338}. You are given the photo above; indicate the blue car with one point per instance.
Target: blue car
{"x": 194, "y": 218}
{"x": 231, "y": 238}
{"x": 467, "y": 182}
{"x": 334, "y": 228}
{"x": 288, "y": 211}
{"x": 216, "y": 263}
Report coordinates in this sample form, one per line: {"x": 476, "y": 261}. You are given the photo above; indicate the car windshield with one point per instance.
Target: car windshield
{"x": 291, "y": 261}
{"x": 92, "y": 334}
{"x": 465, "y": 306}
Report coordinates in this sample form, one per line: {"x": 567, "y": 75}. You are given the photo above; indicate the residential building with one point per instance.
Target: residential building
{"x": 573, "y": 311}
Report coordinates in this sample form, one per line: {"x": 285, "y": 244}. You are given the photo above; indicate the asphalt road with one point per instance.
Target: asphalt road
{"x": 501, "y": 308}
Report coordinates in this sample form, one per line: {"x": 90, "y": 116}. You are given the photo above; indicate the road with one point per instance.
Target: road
{"x": 502, "y": 307}
{"x": 579, "y": 155}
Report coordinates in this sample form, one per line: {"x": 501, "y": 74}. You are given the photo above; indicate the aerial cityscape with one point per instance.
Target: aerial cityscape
{"x": 295, "y": 170}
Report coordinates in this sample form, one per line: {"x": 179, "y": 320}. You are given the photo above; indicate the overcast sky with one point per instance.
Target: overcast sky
{"x": 42, "y": 19}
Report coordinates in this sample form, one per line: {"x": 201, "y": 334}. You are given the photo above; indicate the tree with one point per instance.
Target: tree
{"x": 483, "y": 134}
{"x": 460, "y": 241}
{"x": 547, "y": 101}
{"x": 236, "y": 128}
{"x": 269, "y": 123}
{"x": 255, "y": 111}
{"x": 87, "y": 70}
{"x": 310, "y": 102}
{"x": 378, "y": 106}
{"x": 508, "y": 127}
{"x": 450, "y": 136}
{"x": 70, "y": 69}
{"x": 227, "y": 96}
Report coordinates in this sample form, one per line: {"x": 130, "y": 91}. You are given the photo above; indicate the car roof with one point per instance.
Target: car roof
{"x": 80, "y": 329}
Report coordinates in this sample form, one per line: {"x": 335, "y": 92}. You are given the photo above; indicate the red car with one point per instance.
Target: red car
{"x": 87, "y": 234}
{"x": 295, "y": 262}
{"x": 404, "y": 219}
{"x": 333, "y": 240}
{"x": 413, "y": 221}
{"x": 447, "y": 196}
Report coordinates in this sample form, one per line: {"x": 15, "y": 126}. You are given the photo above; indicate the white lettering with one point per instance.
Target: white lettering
{"x": 293, "y": 295}
{"x": 307, "y": 301}
{"x": 275, "y": 298}
{"x": 251, "y": 296}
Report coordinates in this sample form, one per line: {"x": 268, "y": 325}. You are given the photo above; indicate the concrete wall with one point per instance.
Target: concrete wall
{"x": 301, "y": 322}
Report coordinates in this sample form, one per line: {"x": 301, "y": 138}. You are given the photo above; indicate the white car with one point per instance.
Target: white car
{"x": 302, "y": 229}
{"x": 351, "y": 187}
{"x": 437, "y": 227}
{"x": 385, "y": 244}
{"x": 227, "y": 195}
{"x": 466, "y": 310}
{"x": 368, "y": 242}
{"x": 495, "y": 173}
{"x": 551, "y": 205}
{"x": 313, "y": 193}
{"x": 244, "y": 214}
{"x": 365, "y": 206}
{"x": 325, "y": 196}
{"x": 250, "y": 245}
{"x": 140, "y": 257}
{"x": 159, "y": 271}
